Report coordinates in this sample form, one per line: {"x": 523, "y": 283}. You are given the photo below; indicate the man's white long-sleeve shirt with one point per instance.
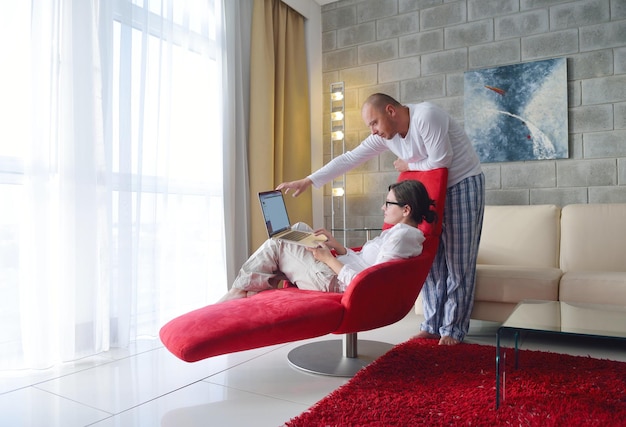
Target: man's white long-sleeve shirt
{"x": 434, "y": 140}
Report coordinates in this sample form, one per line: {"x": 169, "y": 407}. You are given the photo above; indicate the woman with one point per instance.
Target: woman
{"x": 406, "y": 206}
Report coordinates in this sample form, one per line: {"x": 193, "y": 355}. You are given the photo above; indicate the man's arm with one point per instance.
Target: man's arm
{"x": 369, "y": 148}
{"x": 297, "y": 186}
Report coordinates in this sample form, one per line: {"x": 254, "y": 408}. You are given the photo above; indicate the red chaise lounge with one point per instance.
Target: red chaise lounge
{"x": 378, "y": 296}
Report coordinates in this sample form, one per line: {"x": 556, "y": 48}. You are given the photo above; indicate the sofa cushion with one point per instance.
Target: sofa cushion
{"x": 594, "y": 287}
{"x": 513, "y": 284}
{"x": 579, "y": 317}
{"x": 593, "y": 237}
{"x": 520, "y": 236}
{"x": 492, "y": 311}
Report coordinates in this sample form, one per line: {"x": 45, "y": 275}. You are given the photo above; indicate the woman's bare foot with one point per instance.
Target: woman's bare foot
{"x": 425, "y": 335}
{"x": 234, "y": 293}
{"x": 446, "y": 340}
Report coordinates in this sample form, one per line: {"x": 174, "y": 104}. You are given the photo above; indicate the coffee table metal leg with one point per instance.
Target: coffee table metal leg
{"x": 498, "y": 372}
{"x": 516, "y": 349}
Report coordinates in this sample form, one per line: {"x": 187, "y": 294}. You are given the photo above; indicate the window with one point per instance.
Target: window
{"x": 156, "y": 149}
{"x": 168, "y": 57}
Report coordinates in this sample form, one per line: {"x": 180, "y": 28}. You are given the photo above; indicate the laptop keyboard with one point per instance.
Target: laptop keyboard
{"x": 294, "y": 235}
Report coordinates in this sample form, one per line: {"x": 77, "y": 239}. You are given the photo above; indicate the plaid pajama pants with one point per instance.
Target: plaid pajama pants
{"x": 448, "y": 294}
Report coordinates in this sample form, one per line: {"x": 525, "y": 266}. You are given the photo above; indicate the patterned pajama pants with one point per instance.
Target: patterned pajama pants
{"x": 276, "y": 260}
{"x": 448, "y": 294}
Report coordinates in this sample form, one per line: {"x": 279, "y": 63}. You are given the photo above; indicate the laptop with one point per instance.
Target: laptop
{"x": 277, "y": 221}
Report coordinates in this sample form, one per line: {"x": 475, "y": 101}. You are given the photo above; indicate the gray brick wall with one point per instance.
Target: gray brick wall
{"x": 417, "y": 50}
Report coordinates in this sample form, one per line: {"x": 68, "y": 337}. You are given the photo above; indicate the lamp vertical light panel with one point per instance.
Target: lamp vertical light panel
{"x": 337, "y": 144}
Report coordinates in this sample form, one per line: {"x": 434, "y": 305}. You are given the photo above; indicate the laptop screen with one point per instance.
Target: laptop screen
{"x": 274, "y": 212}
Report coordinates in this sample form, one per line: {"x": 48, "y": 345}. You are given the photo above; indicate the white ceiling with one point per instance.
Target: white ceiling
{"x": 323, "y": 2}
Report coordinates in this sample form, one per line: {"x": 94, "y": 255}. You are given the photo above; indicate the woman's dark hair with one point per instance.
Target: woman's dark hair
{"x": 414, "y": 194}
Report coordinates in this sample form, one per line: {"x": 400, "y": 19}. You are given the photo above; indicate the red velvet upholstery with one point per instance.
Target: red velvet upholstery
{"x": 268, "y": 318}
{"x": 385, "y": 289}
{"x": 378, "y": 296}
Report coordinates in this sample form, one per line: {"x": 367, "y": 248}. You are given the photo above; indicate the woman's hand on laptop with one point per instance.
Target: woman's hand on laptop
{"x": 331, "y": 242}
{"x": 297, "y": 186}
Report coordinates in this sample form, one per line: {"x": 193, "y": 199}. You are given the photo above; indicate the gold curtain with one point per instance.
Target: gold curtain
{"x": 279, "y": 136}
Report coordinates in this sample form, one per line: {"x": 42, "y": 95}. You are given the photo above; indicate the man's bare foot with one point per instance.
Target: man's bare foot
{"x": 425, "y": 335}
{"x": 233, "y": 294}
{"x": 446, "y": 340}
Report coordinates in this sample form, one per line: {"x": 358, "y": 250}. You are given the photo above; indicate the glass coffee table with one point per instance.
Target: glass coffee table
{"x": 555, "y": 317}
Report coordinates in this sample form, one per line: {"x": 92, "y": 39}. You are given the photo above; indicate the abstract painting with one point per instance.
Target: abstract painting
{"x": 518, "y": 112}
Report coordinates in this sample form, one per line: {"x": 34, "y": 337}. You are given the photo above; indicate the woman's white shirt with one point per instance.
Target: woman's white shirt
{"x": 399, "y": 241}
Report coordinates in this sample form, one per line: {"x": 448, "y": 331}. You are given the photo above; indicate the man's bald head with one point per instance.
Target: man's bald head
{"x": 379, "y": 101}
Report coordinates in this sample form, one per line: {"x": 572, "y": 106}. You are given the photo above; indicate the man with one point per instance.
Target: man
{"x": 425, "y": 137}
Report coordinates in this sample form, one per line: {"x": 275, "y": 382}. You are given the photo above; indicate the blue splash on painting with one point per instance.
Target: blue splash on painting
{"x": 518, "y": 112}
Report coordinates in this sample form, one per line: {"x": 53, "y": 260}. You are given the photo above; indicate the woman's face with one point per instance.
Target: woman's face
{"x": 393, "y": 212}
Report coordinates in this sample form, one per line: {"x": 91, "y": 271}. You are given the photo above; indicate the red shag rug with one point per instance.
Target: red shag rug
{"x": 419, "y": 383}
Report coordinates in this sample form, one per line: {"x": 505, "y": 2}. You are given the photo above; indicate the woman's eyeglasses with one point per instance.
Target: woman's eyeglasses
{"x": 387, "y": 203}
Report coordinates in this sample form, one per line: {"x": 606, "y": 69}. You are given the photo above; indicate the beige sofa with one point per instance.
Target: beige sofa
{"x": 576, "y": 254}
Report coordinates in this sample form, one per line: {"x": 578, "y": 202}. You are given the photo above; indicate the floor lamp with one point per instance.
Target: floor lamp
{"x": 337, "y": 144}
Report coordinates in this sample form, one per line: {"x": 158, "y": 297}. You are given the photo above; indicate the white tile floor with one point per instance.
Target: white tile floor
{"x": 147, "y": 386}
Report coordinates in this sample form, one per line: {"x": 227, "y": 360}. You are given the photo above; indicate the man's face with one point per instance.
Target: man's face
{"x": 381, "y": 123}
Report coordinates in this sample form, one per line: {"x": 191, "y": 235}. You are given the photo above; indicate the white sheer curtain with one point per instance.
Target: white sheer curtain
{"x": 236, "y": 83}
{"x": 113, "y": 177}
